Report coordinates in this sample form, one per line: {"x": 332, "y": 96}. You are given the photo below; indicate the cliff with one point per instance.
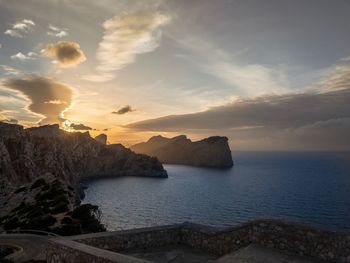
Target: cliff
{"x": 29, "y": 153}
{"x": 40, "y": 171}
{"x": 210, "y": 152}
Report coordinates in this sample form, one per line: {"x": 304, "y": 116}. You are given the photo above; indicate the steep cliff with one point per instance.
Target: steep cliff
{"x": 102, "y": 138}
{"x": 210, "y": 152}
{"x": 47, "y": 150}
{"x": 40, "y": 171}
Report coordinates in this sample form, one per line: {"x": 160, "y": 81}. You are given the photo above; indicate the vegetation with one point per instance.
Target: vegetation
{"x": 21, "y": 189}
{"x": 83, "y": 219}
{"x": 38, "y": 183}
{"x": 50, "y": 204}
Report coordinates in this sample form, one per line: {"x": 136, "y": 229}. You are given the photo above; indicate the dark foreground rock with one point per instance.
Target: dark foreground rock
{"x": 210, "y": 152}
{"x": 41, "y": 170}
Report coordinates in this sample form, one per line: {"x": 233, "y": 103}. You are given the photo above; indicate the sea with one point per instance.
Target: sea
{"x": 306, "y": 187}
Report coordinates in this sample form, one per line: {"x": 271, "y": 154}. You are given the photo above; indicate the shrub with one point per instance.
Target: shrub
{"x": 50, "y": 194}
{"x": 21, "y": 206}
{"x": 41, "y": 222}
{"x": 38, "y": 183}
{"x": 11, "y": 223}
{"x": 36, "y": 212}
{"x": 61, "y": 198}
{"x": 68, "y": 229}
{"x": 21, "y": 189}
{"x": 89, "y": 218}
{"x": 25, "y": 209}
{"x": 60, "y": 208}
{"x": 67, "y": 220}
{"x": 86, "y": 211}
{"x": 45, "y": 187}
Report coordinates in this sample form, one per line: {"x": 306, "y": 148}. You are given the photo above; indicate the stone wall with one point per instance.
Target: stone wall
{"x": 66, "y": 251}
{"x": 291, "y": 237}
{"x": 133, "y": 239}
{"x": 294, "y": 238}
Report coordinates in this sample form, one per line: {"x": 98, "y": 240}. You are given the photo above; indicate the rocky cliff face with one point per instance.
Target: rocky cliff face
{"x": 40, "y": 169}
{"x": 102, "y": 138}
{"x": 210, "y": 152}
{"x": 26, "y": 154}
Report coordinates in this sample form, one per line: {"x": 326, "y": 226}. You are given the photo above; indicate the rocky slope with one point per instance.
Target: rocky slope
{"x": 47, "y": 150}
{"x": 42, "y": 167}
{"x": 210, "y": 152}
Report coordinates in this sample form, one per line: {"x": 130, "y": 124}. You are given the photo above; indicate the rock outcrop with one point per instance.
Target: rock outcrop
{"x": 210, "y": 152}
{"x": 102, "y": 138}
{"x": 41, "y": 170}
{"x": 29, "y": 153}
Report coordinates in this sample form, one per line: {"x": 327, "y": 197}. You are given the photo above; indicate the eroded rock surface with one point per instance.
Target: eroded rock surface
{"x": 41, "y": 170}
{"x": 210, "y": 152}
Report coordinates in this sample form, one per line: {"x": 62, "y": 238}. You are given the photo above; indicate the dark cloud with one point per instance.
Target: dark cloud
{"x": 283, "y": 111}
{"x": 66, "y": 54}
{"x": 318, "y": 120}
{"x": 80, "y": 127}
{"x": 48, "y": 97}
{"x": 123, "y": 110}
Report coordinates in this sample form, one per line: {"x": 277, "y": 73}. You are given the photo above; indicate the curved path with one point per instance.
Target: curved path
{"x": 32, "y": 246}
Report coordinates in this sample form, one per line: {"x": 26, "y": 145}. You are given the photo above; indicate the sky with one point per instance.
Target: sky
{"x": 269, "y": 75}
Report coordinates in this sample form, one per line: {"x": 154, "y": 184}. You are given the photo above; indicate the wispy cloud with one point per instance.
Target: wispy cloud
{"x": 245, "y": 79}
{"x": 65, "y": 53}
{"x": 125, "y": 37}
{"x": 24, "y": 57}
{"x": 20, "y": 28}
{"x": 55, "y": 31}
{"x": 317, "y": 119}
{"x": 9, "y": 71}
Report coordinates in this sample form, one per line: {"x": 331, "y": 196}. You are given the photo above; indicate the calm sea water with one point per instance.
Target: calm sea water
{"x": 311, "y": 188}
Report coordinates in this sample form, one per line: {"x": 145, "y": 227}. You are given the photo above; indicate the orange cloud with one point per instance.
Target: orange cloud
{"x": 66, "y": 54}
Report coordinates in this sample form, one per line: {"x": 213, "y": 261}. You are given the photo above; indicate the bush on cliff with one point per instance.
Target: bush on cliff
{"x": 89, "y": 217}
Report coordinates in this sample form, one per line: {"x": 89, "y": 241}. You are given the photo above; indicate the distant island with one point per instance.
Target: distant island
{"x": 40, "y": 173}
{"x": 210, "y": 152}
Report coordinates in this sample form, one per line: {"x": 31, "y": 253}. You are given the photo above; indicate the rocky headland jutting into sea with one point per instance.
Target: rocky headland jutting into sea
{"x": 40, "y": 173}
{"x": 210, "y": 152}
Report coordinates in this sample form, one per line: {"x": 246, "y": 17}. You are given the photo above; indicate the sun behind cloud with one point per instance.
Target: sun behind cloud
{"x": 48, "y": 97}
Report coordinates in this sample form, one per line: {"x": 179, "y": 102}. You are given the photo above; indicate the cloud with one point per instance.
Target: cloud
{"x": 310, "y": 120}
{"x": 79, "y": 127}
{"x": 123, "y": 110}
{"x": 278, "y": 111}
{"x": 10, "y": 121}
{"x": 246, "y": 79}
{"x": 9, "y": 71}
{"x": 24, "y": 57}
{"x": 125, "y": 37}
{"x": 55, "y": 31}
{"x": 40, "y": 91}
{"x": 337, "y": 78}
{"x": 66, "y": 54}
{"x": 20, "y": 28}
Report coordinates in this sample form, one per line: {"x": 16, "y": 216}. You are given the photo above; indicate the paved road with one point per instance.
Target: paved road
{"x": 33, "y": 246}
